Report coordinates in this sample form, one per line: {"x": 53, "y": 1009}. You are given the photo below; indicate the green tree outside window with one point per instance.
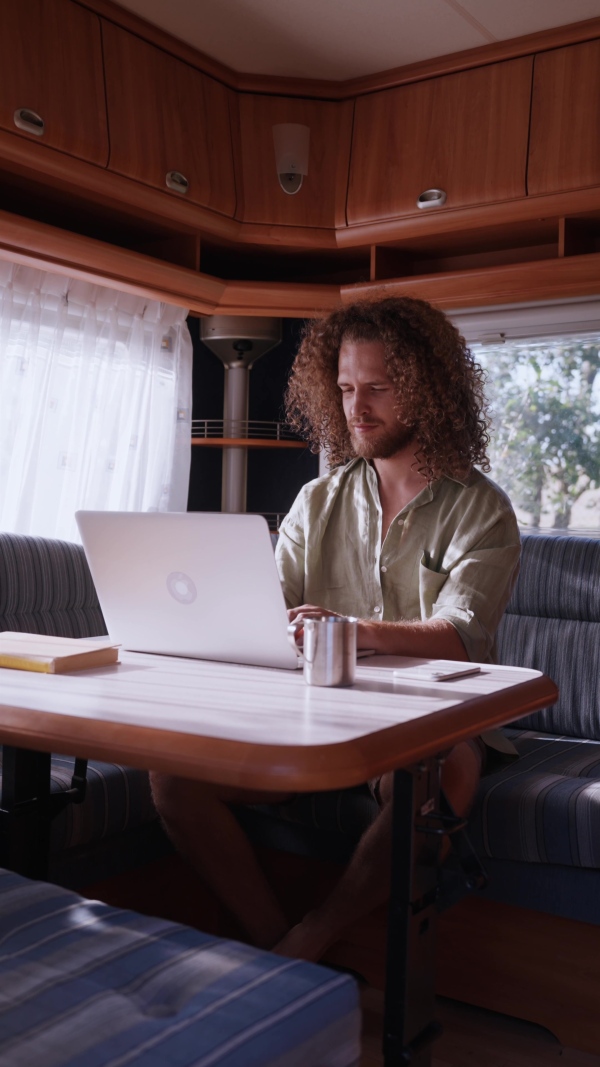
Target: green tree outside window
{"x": 545, "y": 447}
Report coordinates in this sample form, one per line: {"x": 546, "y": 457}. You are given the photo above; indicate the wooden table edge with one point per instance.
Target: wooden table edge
{"x": 276, "y": 768}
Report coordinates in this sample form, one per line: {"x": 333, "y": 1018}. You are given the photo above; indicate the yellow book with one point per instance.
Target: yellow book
{"x": 54, "y": 655}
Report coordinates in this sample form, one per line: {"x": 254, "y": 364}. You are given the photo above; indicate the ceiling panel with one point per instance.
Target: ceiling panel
{"x": 339, "y": 39}
{"x": 336, "y": 39}
{"x": 513, "y": 18}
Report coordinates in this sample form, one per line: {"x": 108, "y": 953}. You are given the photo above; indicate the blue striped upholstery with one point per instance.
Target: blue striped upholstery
{"x": 553, "y": 625}
{"x": 46, "y": 587}
{"x": 542, "y": 808}
{"x": 85, "y": 985}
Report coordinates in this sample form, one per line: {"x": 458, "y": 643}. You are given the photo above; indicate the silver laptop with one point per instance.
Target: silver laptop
{"x": 191, "y": 584}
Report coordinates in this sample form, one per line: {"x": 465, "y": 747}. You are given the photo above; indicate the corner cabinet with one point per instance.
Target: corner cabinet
{"x": 51, "y": 77}
{"x": 320, "y": 202}
{"x": 564, "y": 150}
{"x": 169, "y": 124}
{"x": 463, "y": 134}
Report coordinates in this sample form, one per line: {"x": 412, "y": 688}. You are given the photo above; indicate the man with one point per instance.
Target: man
{"x": 404, "y": 533}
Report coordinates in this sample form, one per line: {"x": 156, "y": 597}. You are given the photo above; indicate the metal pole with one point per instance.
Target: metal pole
{"x": 235, "y": 460}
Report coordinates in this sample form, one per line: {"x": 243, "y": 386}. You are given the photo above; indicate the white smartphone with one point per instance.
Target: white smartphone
{"x": 436, "y": 671}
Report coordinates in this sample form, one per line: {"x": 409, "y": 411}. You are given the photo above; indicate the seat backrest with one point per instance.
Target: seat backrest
{"x": 552, "y": 624}
{"x": 46, "y": 588}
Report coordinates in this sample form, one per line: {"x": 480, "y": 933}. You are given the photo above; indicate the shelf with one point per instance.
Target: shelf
{"x": 246, "y": 442}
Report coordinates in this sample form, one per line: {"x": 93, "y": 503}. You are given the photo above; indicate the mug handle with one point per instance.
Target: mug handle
{"x": 292, "y": 630}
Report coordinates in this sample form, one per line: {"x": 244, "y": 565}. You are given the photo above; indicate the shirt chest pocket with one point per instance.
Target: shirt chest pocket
{"x": 431, "y": 584}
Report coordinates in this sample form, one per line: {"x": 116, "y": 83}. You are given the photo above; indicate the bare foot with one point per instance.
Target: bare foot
{"x": 305, "y": 941}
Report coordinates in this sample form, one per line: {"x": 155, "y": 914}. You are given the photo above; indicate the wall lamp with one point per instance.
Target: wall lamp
{"x": 291, "y": 154}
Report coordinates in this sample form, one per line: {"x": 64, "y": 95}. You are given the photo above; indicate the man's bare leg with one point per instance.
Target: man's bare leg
{"x": 365, "y": 884}
{"x": 202, "y": 827}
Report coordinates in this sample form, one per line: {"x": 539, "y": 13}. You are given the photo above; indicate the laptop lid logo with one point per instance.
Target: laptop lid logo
{"x": 181, "y": 587}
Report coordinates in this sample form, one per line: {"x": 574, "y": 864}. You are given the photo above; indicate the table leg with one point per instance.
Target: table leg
{"x": 24, "y": 804}
{"x": 409, "y": 1016}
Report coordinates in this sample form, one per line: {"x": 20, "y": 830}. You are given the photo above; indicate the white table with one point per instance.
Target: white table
{"x": 265, "y": 729}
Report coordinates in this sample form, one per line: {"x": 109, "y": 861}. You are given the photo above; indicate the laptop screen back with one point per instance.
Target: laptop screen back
{"x": 192, "y": 584}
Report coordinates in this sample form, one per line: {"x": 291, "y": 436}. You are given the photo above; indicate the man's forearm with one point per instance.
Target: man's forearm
{"x": 436, "y": 637}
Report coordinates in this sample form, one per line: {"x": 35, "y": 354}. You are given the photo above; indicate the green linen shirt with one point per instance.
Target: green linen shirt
{"x": 451, "y": 553}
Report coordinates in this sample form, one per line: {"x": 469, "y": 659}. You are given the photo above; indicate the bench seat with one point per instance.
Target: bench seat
{"x": 86, "y": 985}
{"x": 46, "y": 587}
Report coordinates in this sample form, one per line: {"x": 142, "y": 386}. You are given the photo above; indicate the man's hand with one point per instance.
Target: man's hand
{"x": 311, "y": 611}
{"x": 308, "y": 611}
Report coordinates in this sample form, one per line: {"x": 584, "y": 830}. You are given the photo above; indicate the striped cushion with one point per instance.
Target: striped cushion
{"x": 117, "y": 798}
{"x": 544, "y": 807}
{"x": 553, "y": 624}
{"x": 85, "y": 985}
{"x": 46, "y": 587}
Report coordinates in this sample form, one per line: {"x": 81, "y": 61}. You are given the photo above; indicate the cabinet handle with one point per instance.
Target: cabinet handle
{"x": 176, "y": 181}
{"x": 431, "y": 198}
{"x": 29, "y": 120}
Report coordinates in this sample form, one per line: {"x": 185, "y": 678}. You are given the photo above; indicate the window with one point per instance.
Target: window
{"x": 543, "y": 384}
{"x": 95, "y": 402}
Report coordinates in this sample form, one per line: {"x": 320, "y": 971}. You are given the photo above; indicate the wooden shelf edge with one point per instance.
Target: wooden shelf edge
{"x": 289, "y": 299}
{"x": 548, "y": 279}
{"x": 452, "y": 220}
{"x": 38, "y": 244}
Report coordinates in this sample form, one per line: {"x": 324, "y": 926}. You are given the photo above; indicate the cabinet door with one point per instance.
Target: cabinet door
{"x": 320, "y": 200}
{"x": 464, "y": 133}
{"x": 565, "y": 119}
{"x": 166, "y": 119}
{"x": 51, "y": 67}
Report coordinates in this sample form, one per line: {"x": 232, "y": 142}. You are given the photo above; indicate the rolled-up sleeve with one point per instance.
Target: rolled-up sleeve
{"x": 474, "y": 593}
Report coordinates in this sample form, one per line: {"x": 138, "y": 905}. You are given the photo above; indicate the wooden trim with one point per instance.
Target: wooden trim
{"x": 290, "y": 299}
{"x": 342, "y": 174}
{"x": 512, "y": 48}
{"x": 85, "y": 181}
{"x": 47, "y": 247}
{"x": 273, "y": 767}
{"x": 547, "y": 279}
{"x": 162, "y": 39}
{"x": 50, "y": 248}
{"x": 452, "y": 220}
{"x": 246, "y": 442}
{"x": 323, "y": 89}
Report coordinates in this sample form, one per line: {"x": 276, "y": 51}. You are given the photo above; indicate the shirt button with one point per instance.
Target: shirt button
{"x": 383, "y": 570}
{"x": 376, "y": 610}
{"x": 400, "y": 522}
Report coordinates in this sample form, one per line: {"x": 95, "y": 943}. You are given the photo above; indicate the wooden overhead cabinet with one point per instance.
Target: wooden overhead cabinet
{"x": 320, "y": 202}
{"x": 464, "y": 135}
{"x": 169, "y": 124}
{"x": 565, "y": 120}
{"x": 51, "y": 78}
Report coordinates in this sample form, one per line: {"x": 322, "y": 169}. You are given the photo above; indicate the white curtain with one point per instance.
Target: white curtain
{"x": 95, "y": 402}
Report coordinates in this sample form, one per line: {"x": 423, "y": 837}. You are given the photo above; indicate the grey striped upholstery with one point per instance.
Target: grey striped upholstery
{"x": 85, "y": 985}
{"x": 545, "y": 807}
{"x": 46, "y": 587}
{"x": 117, "y": 799}
{"x": 553, "y": 624}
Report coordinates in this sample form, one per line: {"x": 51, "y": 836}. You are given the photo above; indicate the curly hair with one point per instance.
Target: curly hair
{"x": 433, "y": 374}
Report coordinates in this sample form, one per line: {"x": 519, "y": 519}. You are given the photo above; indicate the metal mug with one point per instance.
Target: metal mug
{"x": 329, "y": 649}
